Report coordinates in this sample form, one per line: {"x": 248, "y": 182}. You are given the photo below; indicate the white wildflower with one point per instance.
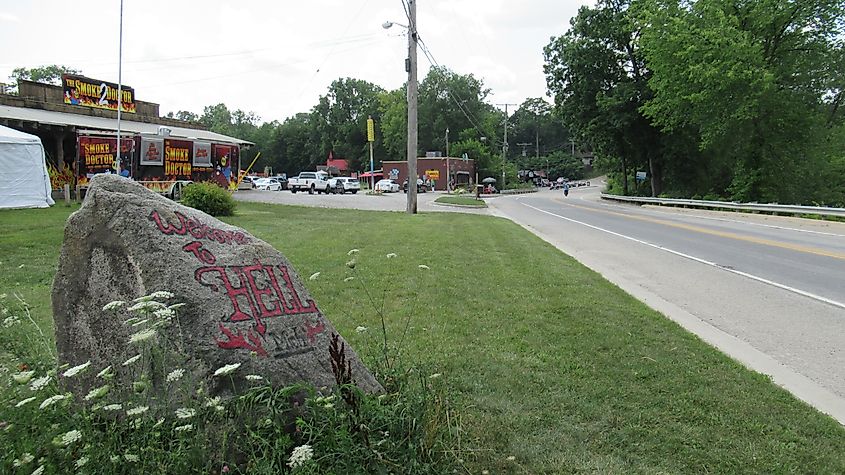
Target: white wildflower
{"x": 23, "y": 377}
{"x": 79, "y": 369}
{"x": 137, "y": 411}
{"x": 81, "y": 462}
{"x": 131, "y": 360}
{"x": 25, "y": 401}
{"x": 10, "y": 321}
{"x": 114, "y": 458}
{"x": 185, "y": 413}
{"x": 138, "y": 323}
{"x": 97, "y": 393}
{"x": 113, "y": 305}
{"x": 39, "y": 383}
{"x": 391, "y": 255}
{"x": 227, "y": 369}
{"x": 146, "y": 306}
{"x": 184, "y": 428}
{"x": 314, "y": 276}
{"x": 361, "y": 329}
{"x": 176, "y": 306}
{"x": 300, "y": 455}
{"x": 511, "y": 458}
{"x": 435, "y": 376}
{"x": 52, "y": 400}
{"x": 131, "y": 458}
{"x": 352, "y": 251}
{"x": 349, "y": 279}
{"x": 175, "y": 375}
{"x": 424, "y": 267}
{"x": 68, "y": 438}
{"x": 105, "y": 373}
{"x": 164, "y": 313}
{"x": 211, "y": 402}
{"x": 142, "y": 335}
{"x": 40, "y": 469}
{"x": 25, "y": 459}
{"x": 113, "y": 407}
{"x": 160, "y": 295}
{"x": 158, "y": 422}
{"x": 254, "y": 377}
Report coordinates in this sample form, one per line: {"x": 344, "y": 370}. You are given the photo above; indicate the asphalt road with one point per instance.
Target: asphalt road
{"x": 769, "y": 291}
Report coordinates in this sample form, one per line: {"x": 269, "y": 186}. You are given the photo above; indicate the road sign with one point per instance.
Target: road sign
{"x": 641, "y": 176}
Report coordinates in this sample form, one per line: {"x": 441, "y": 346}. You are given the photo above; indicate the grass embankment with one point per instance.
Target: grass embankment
{"x": 461, "y": 200}
{"x": 548, "y": 362}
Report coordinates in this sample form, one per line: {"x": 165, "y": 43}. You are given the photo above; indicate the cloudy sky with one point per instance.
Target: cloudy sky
{"x": 276, "y": 58}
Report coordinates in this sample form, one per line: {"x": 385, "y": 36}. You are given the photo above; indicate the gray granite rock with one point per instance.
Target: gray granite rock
{"x": 244, "y": 301}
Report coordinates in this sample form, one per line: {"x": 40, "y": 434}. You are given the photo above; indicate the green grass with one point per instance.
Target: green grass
{"x": 462, "y": 200}
{"x": 545, "y": 360}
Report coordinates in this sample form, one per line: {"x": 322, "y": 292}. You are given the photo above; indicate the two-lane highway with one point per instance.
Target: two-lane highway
{"x": 769, "y": 291}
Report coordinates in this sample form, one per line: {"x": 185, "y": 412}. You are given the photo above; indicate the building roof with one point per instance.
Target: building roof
{"x": 105, "y": 124}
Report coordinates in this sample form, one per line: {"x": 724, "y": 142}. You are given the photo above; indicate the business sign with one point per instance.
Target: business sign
{"x": 97, "y": 155}
{"x": 433, "y": 174}
{"x": 202, "y": 154}
{"x": 371, "y": 130}
{"x": 177, "y": 159}
{"x": 152, "y": 151}
{"x": 641, "y": 176}
{"x": 394, "y": 174}
{"x": 82, "y": 91}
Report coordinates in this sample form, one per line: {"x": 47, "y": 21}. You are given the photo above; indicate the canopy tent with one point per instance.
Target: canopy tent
{"x": 24, "y": 182}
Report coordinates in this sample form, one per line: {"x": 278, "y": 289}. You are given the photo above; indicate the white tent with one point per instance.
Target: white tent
{"x": 24, "y": 181}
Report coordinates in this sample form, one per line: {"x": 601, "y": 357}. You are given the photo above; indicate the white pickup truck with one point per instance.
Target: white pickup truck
{"x": 310, "y": 182}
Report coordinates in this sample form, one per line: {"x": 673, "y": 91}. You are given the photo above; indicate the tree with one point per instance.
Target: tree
{"x": 187, "y": 116}
{"x": 51, "y": 74}
{"x": 535, "y": 124}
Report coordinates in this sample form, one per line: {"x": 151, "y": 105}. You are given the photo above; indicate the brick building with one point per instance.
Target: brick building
{"x": 438, "y": 169}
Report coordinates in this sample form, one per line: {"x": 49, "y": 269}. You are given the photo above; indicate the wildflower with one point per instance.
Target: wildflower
{"x": 160, "y": 295}
{"x": 176, "y": 306}
{"x": 97, "y": 393}
{"x": 314, "y": 276}
{"x": 352, "y": 251}
{"x": 300, "y": 455}
{"x": 25, "y": 401}
{"x": 131, "y": 458}
{"x": 175, "y": 375}
{"x": 435, "y": 376}
{"x": 51, "y": 400}
{"x": 254, "y": 377}
{"x": 79, "y": 369}
{"x": 185, "y": 413}
{"x": 158, "y": 423}
{"x": 25, "y": 459}
{"x": 113, "y": 407}
{"x": 113, "y": 305}
{"x": 351, "y": 264}
{"x": 137, "y": 411}
{"x": 131, "y": 360}
{"x": 511, "y": 458}
{"x": 424, "y": 267}
{"x": 142, "y": 335}
{"x": 10, "y": 321}
{"x": 114, "y": 458}
{"x": 68, "y": 438}
{"x": 391, "y": 255}
{"x": 361, "y": 329}
{"x": 146, "y": 306}
{"x": 39, "y": 383}
{"x": 228, "y": 369}
{"x": 138, "y": 323}
{"x": 348, "y": 279}
{"x": 105, "y": 373}
{"x": 164, "y": 313}
{"x": 212, "y": 401}
{"x": 81, "y": 462}
{"x": 184, "y": 428}
{"x": 40, "y": 469}
{"x": 23, "y": 377}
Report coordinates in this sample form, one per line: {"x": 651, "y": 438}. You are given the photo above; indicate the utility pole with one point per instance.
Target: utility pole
{"x": 505, "y": 144}
{"x": 119, "y": 88}
{"x": 447, "y": 141}
{"x": 412, "y": 108}
{"x": 524, "y": 150}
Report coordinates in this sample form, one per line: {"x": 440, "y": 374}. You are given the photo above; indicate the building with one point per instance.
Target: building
{"x": 437, "y": 169}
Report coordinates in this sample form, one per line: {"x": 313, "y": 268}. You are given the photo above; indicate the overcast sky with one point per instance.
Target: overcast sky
{"x": 276, "y": 58}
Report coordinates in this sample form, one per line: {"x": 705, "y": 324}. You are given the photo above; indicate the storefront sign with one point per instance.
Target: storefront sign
{"x": 202, "y": 154}
{"x": 82, "y": 91}
{"x": 433, "y": 174}
{"x": 152, "y": 151}
{"x": 97, "y": 155}
{"x": 177, "y": 159}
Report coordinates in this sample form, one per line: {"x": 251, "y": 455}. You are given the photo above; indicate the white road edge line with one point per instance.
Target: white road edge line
{"x": 700, "y": 260}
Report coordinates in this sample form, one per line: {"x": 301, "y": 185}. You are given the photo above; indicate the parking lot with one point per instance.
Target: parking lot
{"x": 360, "y": 200}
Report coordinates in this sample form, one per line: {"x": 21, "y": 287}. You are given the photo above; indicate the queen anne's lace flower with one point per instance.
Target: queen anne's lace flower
{"x": 184, "y": 428}
{"x": 113, "y": 407}
{"x": 185, "y": 413}
{"x": 69, "y": 437}
{"x": 300, "y": 455}
{"x": 142, "y": 335}
{"x": 361, "y": 329}
{"x": 25, "y": 401}
{"x": 97, "y": 393}
{"x": 23, "y": 377}
{"x": 131, "y": 458}
{"x": 25, "y": 459}
{"x": 132, "y": 360}
{"x": 81, "y": 462}
{"x": 38, "y": 471}
{"x": 114, "y": 305}
{"x": 52, "y": 400}
{"x": 105, "y": 373}
{"x": 39, "y": 383}
{"x": 137, "y": 411}
{"x": 254, "y": 377}
{"x": 79, "y": 369}
{"x": 352, "y": 251}
{"x": 227, "y": 369}
{"x": 175, "y": 375}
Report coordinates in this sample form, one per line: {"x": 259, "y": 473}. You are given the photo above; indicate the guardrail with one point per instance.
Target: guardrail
{"x": 734, "y": 206}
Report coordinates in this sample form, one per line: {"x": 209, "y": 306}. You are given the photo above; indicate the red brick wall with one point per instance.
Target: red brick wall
{"x": 455, "y": 164}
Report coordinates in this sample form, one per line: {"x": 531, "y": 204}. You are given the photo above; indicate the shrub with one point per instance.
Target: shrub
{"x": 209, "y": 198}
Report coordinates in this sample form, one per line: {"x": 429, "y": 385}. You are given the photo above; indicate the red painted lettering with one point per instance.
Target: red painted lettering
{"x": 204, "y": 255}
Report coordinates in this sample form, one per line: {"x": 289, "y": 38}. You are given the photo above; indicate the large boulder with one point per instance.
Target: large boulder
{"x": 244, "y": 301}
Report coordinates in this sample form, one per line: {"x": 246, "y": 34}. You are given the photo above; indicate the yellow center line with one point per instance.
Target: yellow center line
{"x": 724, "y": 234}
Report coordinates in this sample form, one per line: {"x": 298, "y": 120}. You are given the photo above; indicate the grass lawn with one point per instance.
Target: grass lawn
{"x": 547, "y": 361}
{"x": 461, "y": 200}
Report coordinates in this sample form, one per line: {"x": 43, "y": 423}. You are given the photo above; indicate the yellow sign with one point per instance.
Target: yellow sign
{"x": 371, "y": 130}
{"x": 433, "y": 174}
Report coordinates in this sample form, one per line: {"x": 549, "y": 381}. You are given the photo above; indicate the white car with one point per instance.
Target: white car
{"x": 387, "y": 186}
{"x": 342, "y": 184}
{"x": 269, "y": 184}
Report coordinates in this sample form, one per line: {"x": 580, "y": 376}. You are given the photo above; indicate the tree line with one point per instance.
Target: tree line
{"x": 720, "y": 99}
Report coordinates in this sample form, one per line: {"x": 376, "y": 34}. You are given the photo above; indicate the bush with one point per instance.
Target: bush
{"x": 209, "y": 198}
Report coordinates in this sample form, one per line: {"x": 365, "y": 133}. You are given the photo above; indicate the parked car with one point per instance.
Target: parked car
{"x": 387, "y": 186}
{"x": 342, "y": 184}
{"x": 421, "y": 186}
{"x": 246, "y": 184}
{"x": 283, "y": 179}
{"x": 310, "y": 182}
{"x": 269, "y": 184}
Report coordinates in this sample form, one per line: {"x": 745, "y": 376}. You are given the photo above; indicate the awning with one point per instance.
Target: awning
{"x": 42, "y": 116}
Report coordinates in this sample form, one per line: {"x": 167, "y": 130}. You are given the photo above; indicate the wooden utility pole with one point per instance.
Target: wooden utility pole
{"x": 412, "y": 108}
{"x": 505, "y": 144}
